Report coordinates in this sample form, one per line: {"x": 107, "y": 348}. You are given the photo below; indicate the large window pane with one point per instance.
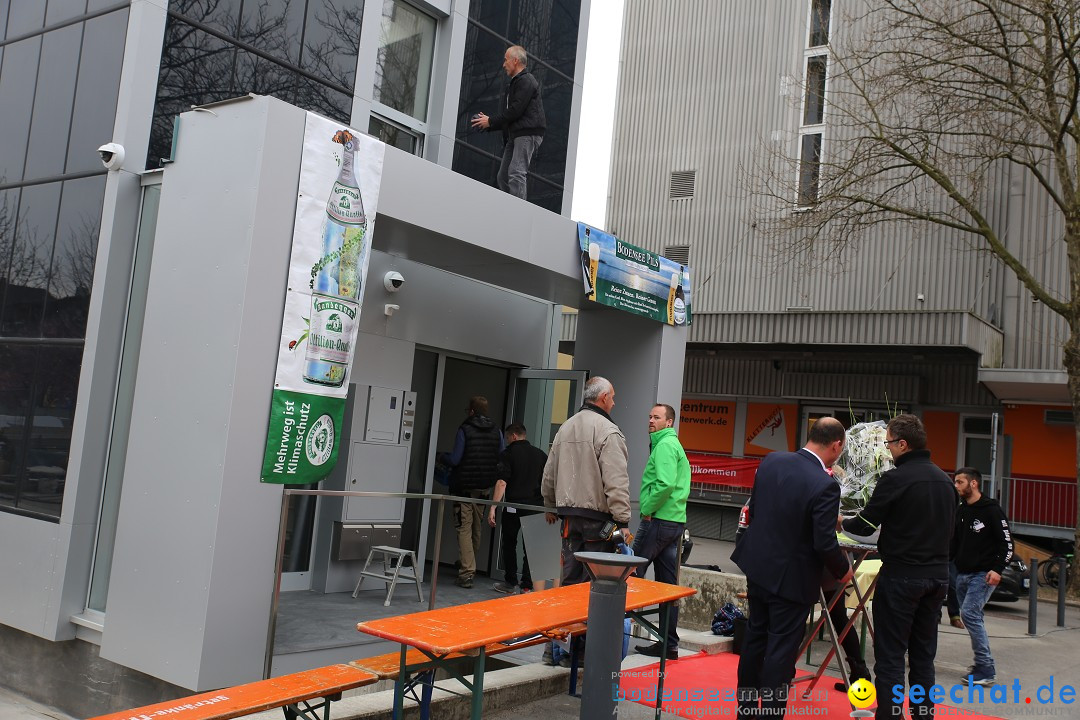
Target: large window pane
{"x": 328, "y": 102}
{"x": 557, "y": 94}
{"x": 475, "y": 164}
{"x": 274, "y": 26}
{"x": 60, "y": 10}
{"x": 52, "y": 104}
{"x": 809, "y": 168}
{"x": 17, "y": 80}
{"x": 820, "y": 10}
{"x": 814, "y": 106}
{"x": 4, "y": 5}
{"x": 548, "y": 30}
{"x": 99, "y": 84}
{"x": 28, "y": 274}
{"x": 25, "y": 16}
{"x": 403, "y": 67}
{"x": 483, "y": 85}
{"x": 72, "y": 274}
{"x": 16, "y": 379}
{"x": 221, "y": 15}
{"x": 393, "y": 135}
{"x": 332, "y": 40}
{"x": 9, "y": 209}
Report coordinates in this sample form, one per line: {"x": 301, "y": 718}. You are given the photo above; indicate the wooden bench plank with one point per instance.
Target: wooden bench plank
{"x": 253, "y": 697}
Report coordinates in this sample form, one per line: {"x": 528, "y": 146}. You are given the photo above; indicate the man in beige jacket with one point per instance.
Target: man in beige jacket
{"x": 585, "y": 479}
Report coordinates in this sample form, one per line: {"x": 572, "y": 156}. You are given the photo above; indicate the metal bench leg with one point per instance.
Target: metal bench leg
{"x": 425, "y": 695}
{"x": 367, "y": 563}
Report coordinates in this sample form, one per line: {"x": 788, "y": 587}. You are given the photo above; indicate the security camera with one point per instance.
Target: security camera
{"x": 393, "y": 281}
{"x": 112, "y": 155}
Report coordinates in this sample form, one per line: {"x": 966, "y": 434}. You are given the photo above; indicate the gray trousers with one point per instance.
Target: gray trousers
{"x": 516, "y": 157}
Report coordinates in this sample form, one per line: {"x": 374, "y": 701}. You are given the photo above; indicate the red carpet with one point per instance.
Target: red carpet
{"x": 703, "y": 686}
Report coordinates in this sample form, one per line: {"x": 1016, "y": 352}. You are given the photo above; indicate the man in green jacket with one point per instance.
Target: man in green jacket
{"x": 665, "y": 486}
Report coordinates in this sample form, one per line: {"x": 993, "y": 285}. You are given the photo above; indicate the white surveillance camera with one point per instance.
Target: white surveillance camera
{"x": 393, "y": 281}
{"x": 112, "y": 155}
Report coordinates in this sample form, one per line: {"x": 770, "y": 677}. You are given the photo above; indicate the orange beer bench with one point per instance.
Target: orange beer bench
{"x": 292, "y": 693}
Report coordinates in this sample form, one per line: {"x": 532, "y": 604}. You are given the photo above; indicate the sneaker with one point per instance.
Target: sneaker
{"x": 548, "y": 659}
{"x": 656, "y": 649}
{"x": 979, "y": 676}
{"x": 956, "y": 622}
{"x": 505, "y": 588}
{"x": 858, "y": 672}
{"x": 463, "y": 582}
{"x": 526, "y": 590}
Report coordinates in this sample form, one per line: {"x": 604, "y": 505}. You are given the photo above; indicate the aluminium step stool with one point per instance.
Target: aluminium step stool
{"x": 390, "y": 578}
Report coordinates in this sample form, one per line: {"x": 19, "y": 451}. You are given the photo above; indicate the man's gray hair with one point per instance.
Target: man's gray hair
{"x": 518, "y": 53}
{"x": 595, "y": 387}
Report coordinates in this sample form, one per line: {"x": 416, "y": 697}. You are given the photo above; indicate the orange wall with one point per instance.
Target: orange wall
{"x": 707, "y": 424}
{"x": 942, "y": 438}
{"x": 1039, "y": 450}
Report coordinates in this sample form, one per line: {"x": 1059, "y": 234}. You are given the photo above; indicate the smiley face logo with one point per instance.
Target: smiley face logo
{"x": 862, "y": 693}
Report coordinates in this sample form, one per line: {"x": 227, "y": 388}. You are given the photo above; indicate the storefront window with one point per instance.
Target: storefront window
{"x": 403, "y": 67}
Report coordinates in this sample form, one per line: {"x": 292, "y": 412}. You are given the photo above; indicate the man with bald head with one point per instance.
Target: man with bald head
{"x": 791, "y": 538}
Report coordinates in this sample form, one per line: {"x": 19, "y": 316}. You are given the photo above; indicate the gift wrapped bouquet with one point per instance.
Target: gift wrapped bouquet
{"x": 863, "y": 461}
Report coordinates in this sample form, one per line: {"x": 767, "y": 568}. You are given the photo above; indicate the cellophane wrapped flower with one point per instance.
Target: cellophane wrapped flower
{"x": 863, "y": 461}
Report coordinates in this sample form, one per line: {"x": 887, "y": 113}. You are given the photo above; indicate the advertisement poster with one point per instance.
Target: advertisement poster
{"x": 770, "y": 428}
{"x": 721, "y": 470}
{"x": 340, "y": 174}
{"x": 629, "y": 278}
{"x": 707, "y": 424}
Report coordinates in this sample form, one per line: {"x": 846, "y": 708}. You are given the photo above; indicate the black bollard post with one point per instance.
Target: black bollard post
{"x": 603, "y": 648}
{"x": 1033, "y": 597}
{"x": 1063, "y": 585}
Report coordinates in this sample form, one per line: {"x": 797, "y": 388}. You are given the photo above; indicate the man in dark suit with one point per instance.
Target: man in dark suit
{"x": 790, "y": 540}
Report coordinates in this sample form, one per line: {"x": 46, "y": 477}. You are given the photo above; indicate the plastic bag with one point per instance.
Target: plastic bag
{"x": 723, "y": 622}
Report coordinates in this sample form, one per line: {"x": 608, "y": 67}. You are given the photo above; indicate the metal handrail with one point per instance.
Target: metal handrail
{"x": 441, "y": 498}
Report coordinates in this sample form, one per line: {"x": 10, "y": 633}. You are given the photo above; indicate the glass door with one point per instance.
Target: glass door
{"x": 542, "y": 400}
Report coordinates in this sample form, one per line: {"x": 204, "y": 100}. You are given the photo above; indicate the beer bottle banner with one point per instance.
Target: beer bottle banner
{"x": 632, "y": 279}
{"x": 340, "y": 175}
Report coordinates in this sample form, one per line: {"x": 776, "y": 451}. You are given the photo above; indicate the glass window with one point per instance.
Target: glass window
{"x": 9, "y": 203}
{"x": 273, "y": 26}
{"x": 31, "y": 254}
{"x": 332, "y": 40}
{"x": 814, "y": 108}
{"x": 16, "y": 380}
{"x": 17, "y": 80}
{"x": 221, "y": 15}
{"x": 557, "y": 95}
{"x": 328, "y": 102}
{"x": 478, "y": 165}
{"x": 403, "y": 66}
{"x": 809, "y": 168}
{"x": 72, "y": 274}
{"x": 52, "y": 104}
{"x": 548, "y": 30}
{"x": 60, "y": 10}
{"x": 25, "y": 16}
{"x": 820, "y": 10}
{"x": 395, "y": 135}
{"x": 4, "y": 4}
{"x": 100, "y": 63}
{"x": 483, "y": 86}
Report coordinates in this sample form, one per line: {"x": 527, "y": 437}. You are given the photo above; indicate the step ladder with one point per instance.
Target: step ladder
{"x": 388, "y": 576}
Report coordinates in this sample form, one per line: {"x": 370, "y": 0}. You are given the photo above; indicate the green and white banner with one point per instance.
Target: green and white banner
{"x": 633, "y": 279}
{"x": 340, "y": 174}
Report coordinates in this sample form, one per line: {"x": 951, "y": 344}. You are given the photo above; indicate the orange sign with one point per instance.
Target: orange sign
{"x": 706, "y": 424}
{"x": 770, "y": 427}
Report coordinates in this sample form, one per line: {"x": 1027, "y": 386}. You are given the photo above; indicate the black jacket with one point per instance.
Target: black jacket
{"x": 476, "y": 471}
{"x": 521, "y": 467}
{"x": 982, "y": 540}
{"x": 915, "y": 506}
{"x": 792, "y": 531}
{"x": 522, "y": 112}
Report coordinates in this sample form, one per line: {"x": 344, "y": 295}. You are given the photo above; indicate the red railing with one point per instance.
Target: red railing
{"x": 1046, "y": 503}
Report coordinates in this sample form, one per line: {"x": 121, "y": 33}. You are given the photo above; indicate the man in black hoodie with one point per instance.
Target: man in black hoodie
{"x": 521, "y": 469}
{"x": 521, "y": 120}
{"x": 982, "y": 547}
{"x": 914, "y": 504}
{"x": 475, "y": 457}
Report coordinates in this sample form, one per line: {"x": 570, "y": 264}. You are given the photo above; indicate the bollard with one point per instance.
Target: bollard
{"x": 1033, "y": 597}
{"x": 603, "y": 649}
{"x": 1063, "y": 584}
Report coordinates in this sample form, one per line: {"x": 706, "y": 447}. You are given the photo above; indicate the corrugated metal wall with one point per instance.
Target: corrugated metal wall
{"x": 702, "y": 86}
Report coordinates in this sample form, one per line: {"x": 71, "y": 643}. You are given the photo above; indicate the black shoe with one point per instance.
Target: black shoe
{"x": 464, "y": 582}
{"x": 858, "y": 672}
{"x": 656, "y": 649}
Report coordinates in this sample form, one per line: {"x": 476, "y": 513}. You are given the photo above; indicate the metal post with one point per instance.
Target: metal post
{"x": 1062, "y": 586}
{"x": 603, "y": 650}
{"x": 438, "y": 547}
{"x": 268, "y": 660}
{"x": 1033, "y": 597}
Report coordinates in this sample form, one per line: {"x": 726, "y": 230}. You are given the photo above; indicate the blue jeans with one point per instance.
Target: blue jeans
{"x": 517, "y": 154}
{"x": 973, "y": 591}
{"x": 906, "y": 612}
{"x": 658, "y": 541}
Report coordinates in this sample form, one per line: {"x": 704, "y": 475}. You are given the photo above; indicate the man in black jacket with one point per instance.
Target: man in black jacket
{"x": 521, "y": 120}
{"x": 520, "y": 472}
{"x": 914, "y": 504}
{"x": 982, "y": 547}
{"x": 474, "y": 459}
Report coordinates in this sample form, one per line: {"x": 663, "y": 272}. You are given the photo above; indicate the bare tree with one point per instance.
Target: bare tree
{"x": 929, "y": 101}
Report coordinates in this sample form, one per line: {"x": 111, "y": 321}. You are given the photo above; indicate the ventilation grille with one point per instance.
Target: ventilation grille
{"x": 682, "y": 184}
{"x": 678, "y": 254}
{"x": 1058, "y": 417}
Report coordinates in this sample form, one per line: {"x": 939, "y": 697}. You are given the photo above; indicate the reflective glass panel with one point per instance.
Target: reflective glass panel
{"x": 52, "y": 103}
{"x": 16, "y": 379}
{"x": 814, "y": 107}
{"x": 221, "y": 15}
{"x": 820, "y": 10}
{"x": 477, "y": 165}
{"x": 31, "y": 255}
{"x": 60, "y": 10}
{"x": 4, "y": 5}
{"x": 483, "y": 87}
{"x": 403, "y": 65}
{"x": 332, "y": 40}
{"x": 328, "y": 102}
{"x": 72, "y": 273}
{"x": 393, "y": 135}
{"x": 100, "y": 62}
{"x": 557, "y": 93}
{"x": 809, "y": 168}
{"x": 17, "y": 80}
{"x": 274, "y": 26}
{"x": 25, "y": 16}
{"x": 548, "y": 30}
